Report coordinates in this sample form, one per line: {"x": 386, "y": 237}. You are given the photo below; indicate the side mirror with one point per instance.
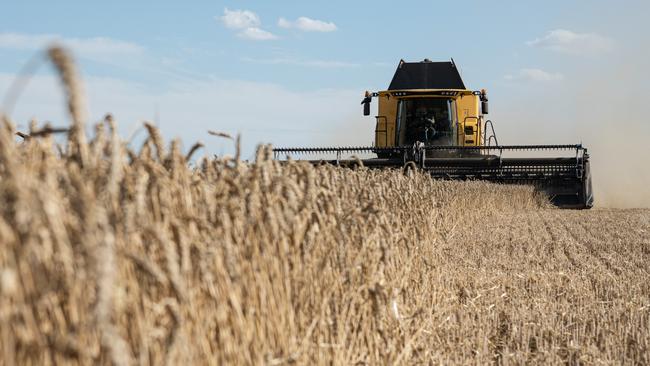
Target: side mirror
{"x": 366, "y": 105}
{"x": 484, "y": 106}
{"x": 484, "y": 102}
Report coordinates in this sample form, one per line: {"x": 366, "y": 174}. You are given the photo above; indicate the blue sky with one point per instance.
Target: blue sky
{"x": 293, "y": 72}
{"x": 487, "y": 39}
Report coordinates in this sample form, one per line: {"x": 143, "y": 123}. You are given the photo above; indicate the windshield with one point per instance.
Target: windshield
{"x": 427, "y": 120}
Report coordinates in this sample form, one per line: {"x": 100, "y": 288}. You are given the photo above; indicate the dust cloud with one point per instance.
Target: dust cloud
{"x": 617, "y": 126}
{"x": 601, "y": 104}
{"x": 611, "y": 111}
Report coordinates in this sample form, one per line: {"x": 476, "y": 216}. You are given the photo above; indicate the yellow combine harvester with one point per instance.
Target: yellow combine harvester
{"x": 428, "y": 119}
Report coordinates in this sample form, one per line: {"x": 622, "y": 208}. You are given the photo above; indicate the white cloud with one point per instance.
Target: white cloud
{"x": 536, "y": 75}
{"x": 330, "y": 64}
{"x": 240, "y": 19}
{"x": 308, "y": 25}
{"x": 283, "y": 23}
{"x": 247, "y": 23}
{"x": 562, "y": 40}
{"x": 256, "y": 34}
{"x": 92, "y": 48}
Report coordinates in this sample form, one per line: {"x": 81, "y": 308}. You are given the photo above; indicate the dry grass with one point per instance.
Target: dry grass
{"x": 131, "y": 257}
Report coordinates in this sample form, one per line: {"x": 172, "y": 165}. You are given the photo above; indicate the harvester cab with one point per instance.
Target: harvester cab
{"x": 427, "y": 118}
{"x": 428, "y": 102}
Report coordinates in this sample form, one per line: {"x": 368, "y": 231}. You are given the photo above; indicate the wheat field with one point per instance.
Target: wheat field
{"x": 118, "y": 255}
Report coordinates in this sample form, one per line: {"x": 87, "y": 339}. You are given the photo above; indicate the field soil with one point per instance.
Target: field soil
{"x": 572, "y": 283}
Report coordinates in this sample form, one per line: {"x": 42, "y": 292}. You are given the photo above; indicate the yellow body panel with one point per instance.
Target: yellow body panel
{"x": 469, "y": 119}
{"x": 467, "y": 122}
{"x": 386, "y": 118}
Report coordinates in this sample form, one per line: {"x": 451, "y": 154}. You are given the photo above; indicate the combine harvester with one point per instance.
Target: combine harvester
{"x": 429, "y": 120}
